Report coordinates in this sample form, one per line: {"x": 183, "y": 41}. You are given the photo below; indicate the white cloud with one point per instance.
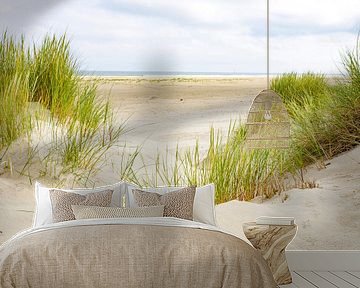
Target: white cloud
{"x": 318, "y": 53}
{"x": 16, "y": 15}
{"x": 204, "y": 35}
{"x": 343, "y": 14}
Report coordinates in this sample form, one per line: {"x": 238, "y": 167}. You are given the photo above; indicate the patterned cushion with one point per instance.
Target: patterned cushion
{"x": 93, "y": 212}
{"x": 61, "y": 202}
{"x": 177, "y": 203}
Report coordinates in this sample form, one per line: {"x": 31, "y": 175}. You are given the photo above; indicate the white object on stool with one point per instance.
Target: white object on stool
{"x": 266, "y": 220}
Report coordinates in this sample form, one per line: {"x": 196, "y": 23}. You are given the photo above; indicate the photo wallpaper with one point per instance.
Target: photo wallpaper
{"x": 169, "y": 93}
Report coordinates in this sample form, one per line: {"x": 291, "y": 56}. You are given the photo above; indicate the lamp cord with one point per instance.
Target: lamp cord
{"x": 267, "y": 47}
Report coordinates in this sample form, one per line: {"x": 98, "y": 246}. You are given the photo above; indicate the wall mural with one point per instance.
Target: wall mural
{"x": 175, "y": 116}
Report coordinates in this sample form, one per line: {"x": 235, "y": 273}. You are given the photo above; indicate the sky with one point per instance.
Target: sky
{"x": 193, "y": 35}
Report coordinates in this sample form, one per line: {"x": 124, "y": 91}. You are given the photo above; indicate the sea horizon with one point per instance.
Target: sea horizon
{"x": 119, "y": 73}
{"x": 161, "y": 73}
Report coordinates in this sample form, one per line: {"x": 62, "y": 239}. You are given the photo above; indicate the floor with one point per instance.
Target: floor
{"x": 324, "y": 279}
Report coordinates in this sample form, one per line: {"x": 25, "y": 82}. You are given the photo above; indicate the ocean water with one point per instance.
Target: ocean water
{"x": 166, "y": 73}
{"x": 97, "y": 73}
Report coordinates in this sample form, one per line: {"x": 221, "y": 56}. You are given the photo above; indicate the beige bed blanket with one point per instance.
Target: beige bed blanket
{"x": 128, "y": 255}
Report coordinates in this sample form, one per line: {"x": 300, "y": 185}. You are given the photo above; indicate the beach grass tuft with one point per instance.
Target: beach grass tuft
{"x": 14, "y": 89}
{"x": 325, "y": 118}
{"x": 83, "y": 125}
{"x": 238, "y": 172}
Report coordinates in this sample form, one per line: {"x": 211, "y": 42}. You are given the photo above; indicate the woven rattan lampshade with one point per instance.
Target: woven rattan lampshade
{"x": 268, "y": 124}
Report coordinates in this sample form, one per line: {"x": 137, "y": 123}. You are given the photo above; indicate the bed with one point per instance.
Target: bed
{"x": 130, "y": 252}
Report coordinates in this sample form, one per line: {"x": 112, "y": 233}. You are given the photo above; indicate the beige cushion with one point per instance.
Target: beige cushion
{"x": 93, "y": 212}
{"x": 177, "y": 203}
{"x": 204, "y": 201}
{"x": 61, "y": 202}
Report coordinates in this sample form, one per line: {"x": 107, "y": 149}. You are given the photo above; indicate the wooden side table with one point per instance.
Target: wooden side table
{"x": 271, "y": 241}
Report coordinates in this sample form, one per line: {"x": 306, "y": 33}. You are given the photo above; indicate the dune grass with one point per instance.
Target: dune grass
{"x": 83, "y": 125}
{"x": 238, "y": 172}
{"x": 14, "y": 90}
{"x": 325, "y": 118}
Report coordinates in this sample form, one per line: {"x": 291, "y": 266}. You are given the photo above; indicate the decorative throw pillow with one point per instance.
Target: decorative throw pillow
{"x": 94, "y": 212}
{"x": 177, "y": 203}
{"x": 204, "y": 201}
{"x": 61, "y": 202}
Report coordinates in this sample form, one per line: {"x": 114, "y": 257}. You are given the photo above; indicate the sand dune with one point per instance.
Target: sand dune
{"x": 327, "y": 216}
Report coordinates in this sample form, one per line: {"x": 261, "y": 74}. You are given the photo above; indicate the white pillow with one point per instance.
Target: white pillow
{"x": 43, "y": 212}
{"x": 204, "y": 202}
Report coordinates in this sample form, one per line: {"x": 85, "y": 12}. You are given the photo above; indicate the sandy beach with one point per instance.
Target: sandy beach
{"x": 176, "y": 111}
{"x": 164, "y": 113}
